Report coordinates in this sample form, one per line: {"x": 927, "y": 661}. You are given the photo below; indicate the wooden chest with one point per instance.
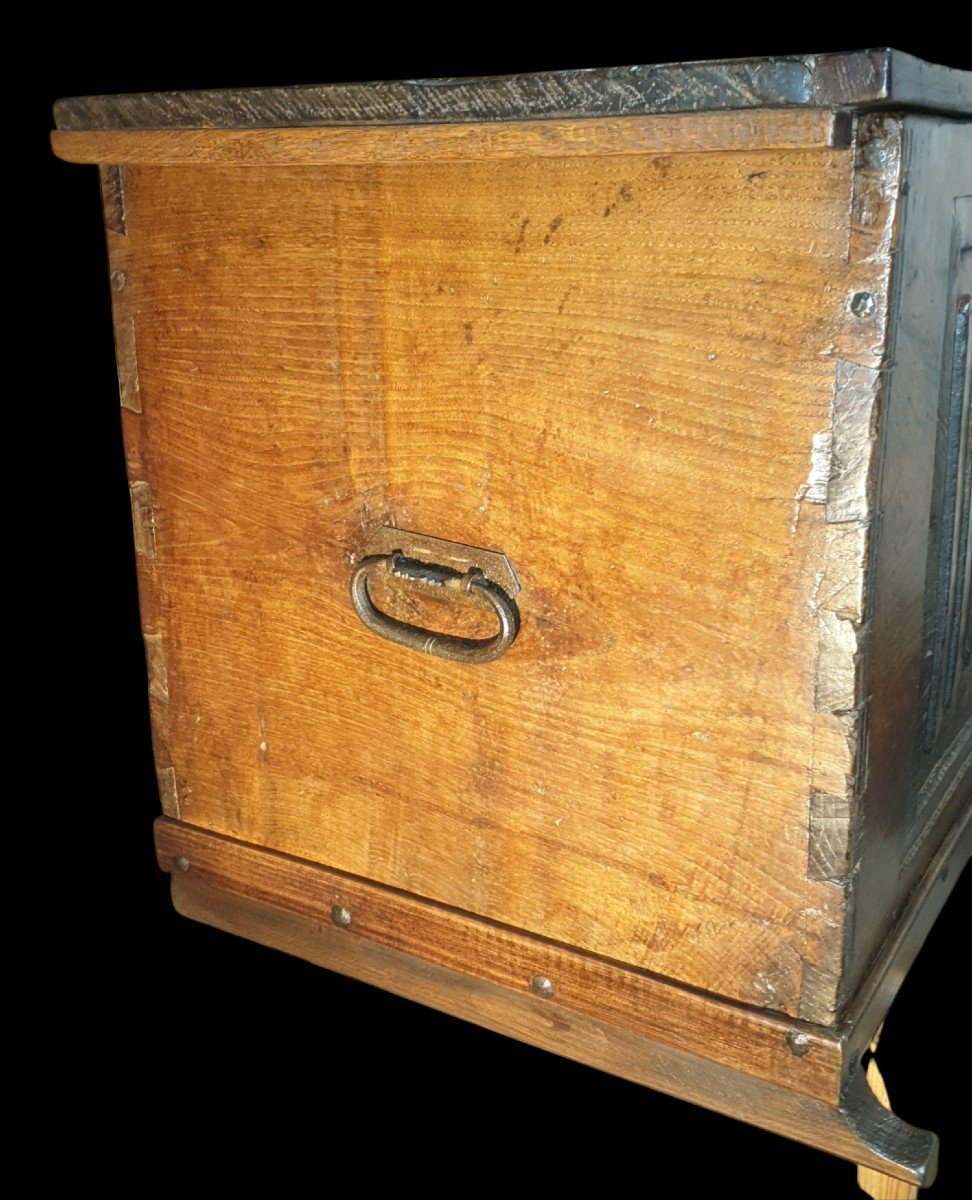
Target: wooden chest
{"x": 552, "y": 506}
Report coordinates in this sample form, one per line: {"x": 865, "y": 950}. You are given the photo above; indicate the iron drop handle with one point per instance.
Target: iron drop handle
{"x": 472, "y": 584}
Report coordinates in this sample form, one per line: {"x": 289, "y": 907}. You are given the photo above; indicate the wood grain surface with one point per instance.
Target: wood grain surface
{"x": 746, "y": 1039}
{"x": 780, "y": 129}
{"x": 850, "y": 1129}
{"x": 617, "y": 371}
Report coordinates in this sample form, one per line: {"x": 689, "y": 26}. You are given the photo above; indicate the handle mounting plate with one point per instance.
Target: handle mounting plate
{"x": 493, "y": 563}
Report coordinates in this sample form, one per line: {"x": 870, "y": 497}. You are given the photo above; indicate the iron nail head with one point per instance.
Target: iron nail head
{"x": 862, "y": 304}
{"x": 799, "y": 1043}
{"x": 542, "y": 985}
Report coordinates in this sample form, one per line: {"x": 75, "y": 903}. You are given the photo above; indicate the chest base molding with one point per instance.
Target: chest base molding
{"x": 802, "y": 1081}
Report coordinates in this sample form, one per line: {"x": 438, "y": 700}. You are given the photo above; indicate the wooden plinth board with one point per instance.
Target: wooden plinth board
{"x": 801, "y": 1081}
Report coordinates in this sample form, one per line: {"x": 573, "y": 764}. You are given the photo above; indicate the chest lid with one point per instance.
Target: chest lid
{"x": 858, "y": 80}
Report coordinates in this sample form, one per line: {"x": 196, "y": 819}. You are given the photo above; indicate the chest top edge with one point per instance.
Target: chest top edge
{"x": 860, "y": 80}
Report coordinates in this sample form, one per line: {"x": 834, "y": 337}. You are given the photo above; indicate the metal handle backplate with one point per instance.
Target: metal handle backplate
{"x": 472, "y": 584}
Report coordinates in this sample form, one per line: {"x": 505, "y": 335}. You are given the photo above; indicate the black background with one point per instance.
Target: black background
{"x": 179, "y": 1056}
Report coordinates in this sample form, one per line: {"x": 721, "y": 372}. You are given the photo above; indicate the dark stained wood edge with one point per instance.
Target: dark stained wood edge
{"x": 907, "y": 794}
{"x": 856, "y": 1127}
{"x": 859, "y": 79}
{"x": 749, "y": 1040}
{"x": 864, "y": 1016}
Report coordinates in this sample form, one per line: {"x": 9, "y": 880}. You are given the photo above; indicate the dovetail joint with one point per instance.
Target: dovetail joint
{"x": 155, "y": 662}
{"x": 143, "y": 518}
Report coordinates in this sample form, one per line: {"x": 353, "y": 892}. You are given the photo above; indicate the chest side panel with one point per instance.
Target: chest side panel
{"x": 611, "y": 369}
{"x": 918, "y": 774}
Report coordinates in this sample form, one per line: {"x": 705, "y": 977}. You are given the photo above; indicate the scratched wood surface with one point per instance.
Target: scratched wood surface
{"x": 613, "y": 370}
{"x": 855, "y": 80}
